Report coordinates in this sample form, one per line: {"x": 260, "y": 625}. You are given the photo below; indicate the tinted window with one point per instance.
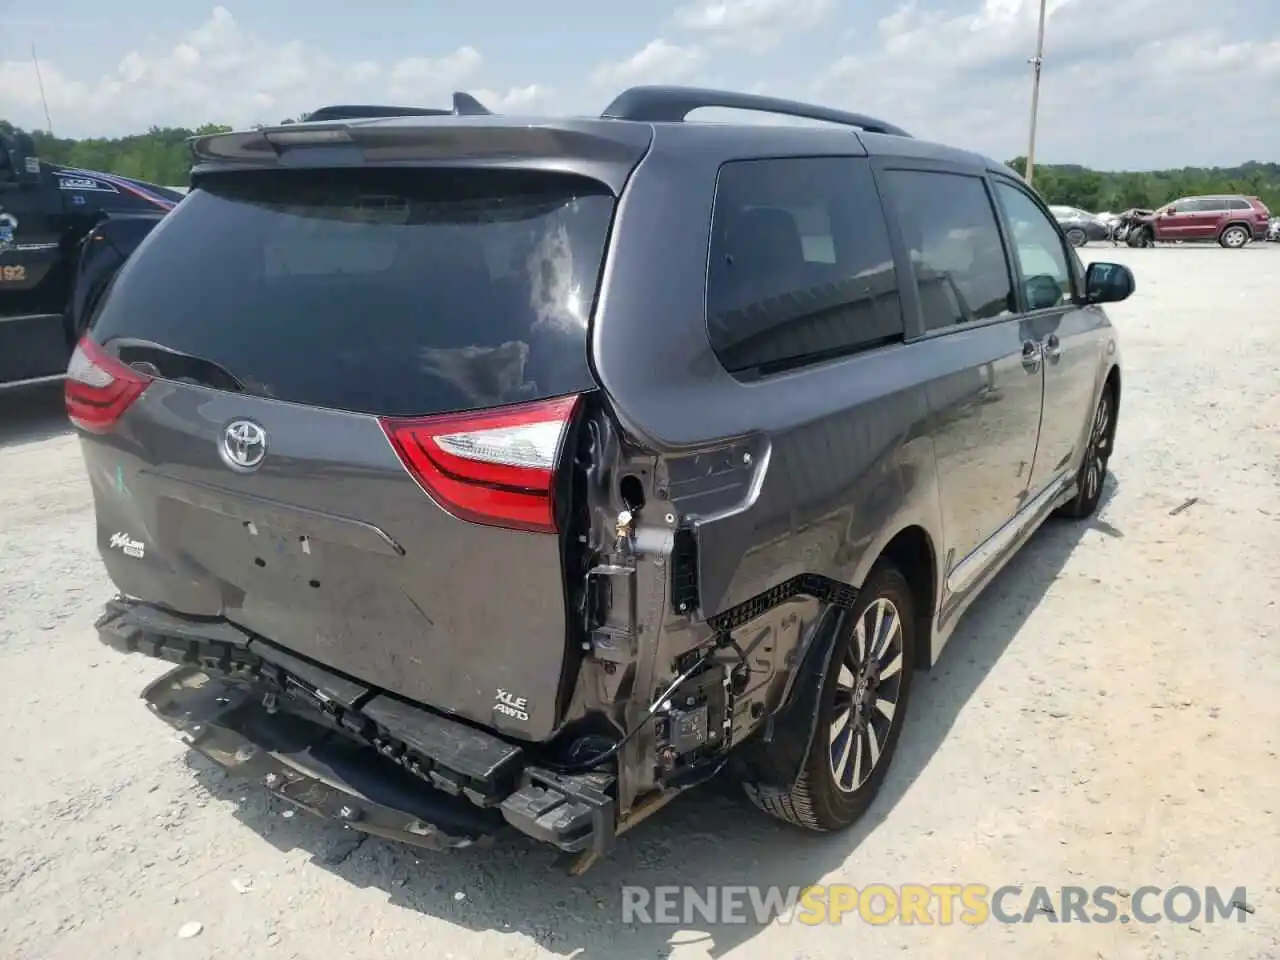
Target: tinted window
{"x": 1240, "y": 205}
{"x": 392, "y": 292}
{"x": 1046, "y": 273}
{"x": 800, "y": 268}
{"x": 949, "y": 227}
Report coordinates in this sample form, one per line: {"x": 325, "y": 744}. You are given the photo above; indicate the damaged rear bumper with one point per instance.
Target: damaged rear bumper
{"x": 343, "y": 750}
{"x": 310, "y": 766}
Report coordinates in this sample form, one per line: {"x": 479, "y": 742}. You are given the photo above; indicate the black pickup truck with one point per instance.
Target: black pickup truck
{"x": 63, "y": 234}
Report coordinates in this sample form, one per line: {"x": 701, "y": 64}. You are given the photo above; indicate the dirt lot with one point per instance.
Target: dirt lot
{"x": 1109, "y": 713}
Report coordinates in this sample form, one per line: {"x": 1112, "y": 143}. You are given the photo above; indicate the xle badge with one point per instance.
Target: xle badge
{"x": 511, "y": 705}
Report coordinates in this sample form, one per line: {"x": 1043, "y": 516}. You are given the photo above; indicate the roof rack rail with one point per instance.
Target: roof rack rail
{"x": 668, "y": 104}
{"x": 464, "y": 105}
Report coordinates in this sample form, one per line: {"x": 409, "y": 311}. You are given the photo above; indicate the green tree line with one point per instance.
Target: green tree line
{"x": 161, "y": 156}
{"x": 1096, "y": 190}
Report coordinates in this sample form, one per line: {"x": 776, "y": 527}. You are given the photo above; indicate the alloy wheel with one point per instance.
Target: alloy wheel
{"x": 1076, "y": 237}
{"x": 1099, "y": 448}
{"x": 1234, "y": 237}
{"x": 867, "y": 695}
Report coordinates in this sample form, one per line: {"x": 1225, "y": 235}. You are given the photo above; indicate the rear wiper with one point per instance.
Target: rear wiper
{"x": 170, "y": 364}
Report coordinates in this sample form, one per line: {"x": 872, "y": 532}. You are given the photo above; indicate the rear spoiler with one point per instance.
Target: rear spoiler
{"x": 600, "y": 150}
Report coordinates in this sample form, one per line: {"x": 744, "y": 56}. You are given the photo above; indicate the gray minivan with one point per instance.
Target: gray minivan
{"x": 483, "y": 472}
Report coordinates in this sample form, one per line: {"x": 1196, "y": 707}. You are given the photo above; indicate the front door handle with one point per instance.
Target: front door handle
{"x": 1052, "y": 347}
{"x": 1031, "y": 355}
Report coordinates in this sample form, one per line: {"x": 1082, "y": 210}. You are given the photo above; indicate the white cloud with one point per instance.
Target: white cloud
{"x": 1134, "y": 83}
{"x": 755, "y": 24}
{"x": 656, "y": 62}
{"x": 1126, "y": 82}
{"x": 418, "y": 78}
{"x": 221, "y": 72}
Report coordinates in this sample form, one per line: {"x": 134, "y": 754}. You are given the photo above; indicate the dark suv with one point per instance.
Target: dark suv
{"x": 1232, "y": 221}
{"x": 484, "y": 472}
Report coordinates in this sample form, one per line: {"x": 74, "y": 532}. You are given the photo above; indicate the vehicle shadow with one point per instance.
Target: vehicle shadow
{"x": 29, "y": 414}
{"x": 706, "y": 838}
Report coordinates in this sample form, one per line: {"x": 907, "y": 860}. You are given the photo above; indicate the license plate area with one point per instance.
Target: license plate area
{"x": 247, "y": 553}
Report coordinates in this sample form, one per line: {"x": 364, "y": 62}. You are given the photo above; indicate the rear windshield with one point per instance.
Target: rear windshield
{"x": 393, "y": 292}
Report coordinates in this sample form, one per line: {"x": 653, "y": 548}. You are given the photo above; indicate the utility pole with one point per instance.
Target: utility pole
{"x": 1036, "y": 63}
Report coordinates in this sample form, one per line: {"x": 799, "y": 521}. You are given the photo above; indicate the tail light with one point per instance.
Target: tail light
{"x": 496, "y": 467}
{"x": 98, "y": 388}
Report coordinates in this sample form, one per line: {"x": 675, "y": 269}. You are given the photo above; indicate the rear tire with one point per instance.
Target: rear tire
{"x": 1093, "y": 471}
{"x": 1234, "y": 237}
{"x": 862, "y": 705}
{"x": 1076, "y": 237}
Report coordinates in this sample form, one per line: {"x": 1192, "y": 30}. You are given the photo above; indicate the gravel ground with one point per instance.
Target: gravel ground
{"x": 1107, "y": 714}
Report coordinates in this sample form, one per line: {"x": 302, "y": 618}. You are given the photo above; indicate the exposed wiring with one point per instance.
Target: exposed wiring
{"x": 582, "y": 766}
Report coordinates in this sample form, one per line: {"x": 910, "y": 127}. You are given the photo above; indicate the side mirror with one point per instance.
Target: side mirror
{"x": 1108, "y": 283}
{"x": 1169, "y": 210}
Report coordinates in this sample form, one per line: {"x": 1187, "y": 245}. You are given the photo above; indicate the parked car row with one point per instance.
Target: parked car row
{"x": 1232, "y": 220}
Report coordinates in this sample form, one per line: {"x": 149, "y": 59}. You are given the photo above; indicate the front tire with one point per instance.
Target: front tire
{"x": 1140, "y": 238}
{"x": 862, "y": 706}
{"x": 1233, "y": 238}
{"x": 1076, "y": 237}
{"x": 1097, "y": 455}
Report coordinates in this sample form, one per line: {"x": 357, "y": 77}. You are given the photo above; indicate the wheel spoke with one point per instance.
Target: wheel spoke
{"x": 875, "y": 632}
{"x": 873, "y": 746}
{"x": 860, "y": 638}
{"x": 885, "y": 643}
{"x": 857, "y": 761}
{"x": 887, "y": 708}
{"x": 845, "y": 681}
{"x": 843, "y": 763}
{"x": 840, "y": 724}
{"x": 891, "y": 668}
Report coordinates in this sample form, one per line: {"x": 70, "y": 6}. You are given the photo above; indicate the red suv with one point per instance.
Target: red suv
{"x": 1231, "y": 220}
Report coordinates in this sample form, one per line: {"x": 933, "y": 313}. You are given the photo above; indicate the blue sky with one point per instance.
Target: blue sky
{"x": 1128, "y": 83}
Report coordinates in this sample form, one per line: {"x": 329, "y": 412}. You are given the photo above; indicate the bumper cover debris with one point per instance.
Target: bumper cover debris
{"x": 310, "y": 766}
{"x": 342, "y": 750}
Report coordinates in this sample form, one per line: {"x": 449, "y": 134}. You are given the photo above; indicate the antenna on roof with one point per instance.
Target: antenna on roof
{"x": 40, "y": 82}
{"x": 465, "y": 105}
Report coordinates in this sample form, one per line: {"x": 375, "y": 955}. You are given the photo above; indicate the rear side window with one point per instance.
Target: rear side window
{"x": 392, "y": 292}
{"x": 800, "y": 266}
{"x": 957, "y": 256}
{"x": 1239, "y": 204}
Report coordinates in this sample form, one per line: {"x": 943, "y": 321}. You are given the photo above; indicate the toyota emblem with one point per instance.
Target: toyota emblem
{"x": 243, "y": 446}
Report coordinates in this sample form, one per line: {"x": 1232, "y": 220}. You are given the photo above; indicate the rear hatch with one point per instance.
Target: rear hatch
{"x": 332, "y": 407}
